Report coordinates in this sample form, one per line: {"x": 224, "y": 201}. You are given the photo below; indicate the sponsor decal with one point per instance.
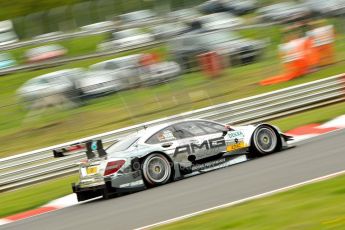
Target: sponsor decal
{"x": 235, "y": 134}
{"x": 94, "y": 145}
{"x": 205, "y": 145}
{"x": 207, "y": 165}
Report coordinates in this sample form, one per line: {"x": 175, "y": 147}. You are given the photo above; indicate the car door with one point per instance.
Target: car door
{"x": 196, "y": 138}
{"x": 215, "y": 135}
{"x": 165, "y": 139}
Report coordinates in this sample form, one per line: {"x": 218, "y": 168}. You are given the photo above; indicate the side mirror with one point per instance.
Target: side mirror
{"x": 227, "y": 128}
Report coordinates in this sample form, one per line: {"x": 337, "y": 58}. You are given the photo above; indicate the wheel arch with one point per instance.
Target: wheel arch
{"x": 171, "y": 161}
{"x": 276, "y": 131}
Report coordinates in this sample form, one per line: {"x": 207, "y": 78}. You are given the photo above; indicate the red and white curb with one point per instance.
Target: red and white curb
{"x": 301, "y": 133}
{"x": 60, "y": 203}
{"x": 312, "y": 130}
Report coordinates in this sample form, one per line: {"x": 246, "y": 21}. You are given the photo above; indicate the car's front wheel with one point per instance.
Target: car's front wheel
{"x": 156, "y": 170}
{"x": 264, "y": 141}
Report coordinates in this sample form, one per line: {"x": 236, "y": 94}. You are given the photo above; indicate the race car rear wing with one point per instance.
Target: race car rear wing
{"x": 93, "y": 148}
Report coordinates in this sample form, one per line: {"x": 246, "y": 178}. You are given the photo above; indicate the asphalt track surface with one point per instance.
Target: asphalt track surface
{"x": 310, "y": 159}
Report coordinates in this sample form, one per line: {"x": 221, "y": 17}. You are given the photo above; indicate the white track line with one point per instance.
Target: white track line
{"x": 243, "y": 200}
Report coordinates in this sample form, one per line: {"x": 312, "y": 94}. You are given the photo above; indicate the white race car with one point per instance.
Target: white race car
{"x": 160, "y": 154}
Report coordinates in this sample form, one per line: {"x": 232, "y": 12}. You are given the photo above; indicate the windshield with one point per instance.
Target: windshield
{"x": 123, "y": 144}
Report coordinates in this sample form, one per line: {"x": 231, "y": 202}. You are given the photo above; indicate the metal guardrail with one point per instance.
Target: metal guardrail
{"x": 39, "y": 165}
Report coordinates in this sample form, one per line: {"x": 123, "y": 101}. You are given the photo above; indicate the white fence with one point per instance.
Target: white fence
{"x": 39, "y": 165}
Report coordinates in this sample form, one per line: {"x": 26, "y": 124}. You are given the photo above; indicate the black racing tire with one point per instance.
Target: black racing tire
{"x": 156, "y": 170}
{"x": 106, "y": 194}
{"x": 265, "y": 140}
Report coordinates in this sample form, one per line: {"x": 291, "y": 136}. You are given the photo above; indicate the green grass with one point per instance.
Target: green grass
{"x": 319, "y": 116}
{"x": 36, "y": 195}
{"x": 22, "y": 131}
{"x": 315, "y": 206}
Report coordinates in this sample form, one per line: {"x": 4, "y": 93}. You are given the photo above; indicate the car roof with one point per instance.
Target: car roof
{"x": 147, "y": 132}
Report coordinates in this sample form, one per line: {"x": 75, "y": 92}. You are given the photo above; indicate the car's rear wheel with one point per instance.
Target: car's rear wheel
{"x": 156, "y": 170}
{"x": 264, "y": 141}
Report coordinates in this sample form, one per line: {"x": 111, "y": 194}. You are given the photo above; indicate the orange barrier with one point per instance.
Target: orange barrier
{"x": 312, "y": 54}
{"x": 303, "y": 55}
{"x": 295, "y": 61}
{"x": 210, "y": 63}
{"x": 326, "y": 54}
{"x": 323, "y": 40}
